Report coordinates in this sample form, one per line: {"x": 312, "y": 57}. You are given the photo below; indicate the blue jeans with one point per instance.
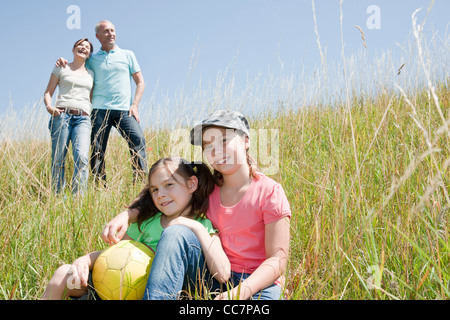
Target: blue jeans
{"x": 129, "y": 128}
{"x": 179, "y": 265}
{"x": 64, "y": 129}
{"x": 272, "y": 292}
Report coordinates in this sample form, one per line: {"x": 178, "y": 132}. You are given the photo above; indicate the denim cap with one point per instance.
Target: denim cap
{"x": 220, "y": 118}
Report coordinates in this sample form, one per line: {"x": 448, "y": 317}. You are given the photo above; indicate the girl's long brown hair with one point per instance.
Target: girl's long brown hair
{"x": 200, "y": 197}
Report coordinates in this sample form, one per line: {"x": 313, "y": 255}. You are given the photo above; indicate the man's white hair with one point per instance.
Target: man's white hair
{"x": 97, "y": 26}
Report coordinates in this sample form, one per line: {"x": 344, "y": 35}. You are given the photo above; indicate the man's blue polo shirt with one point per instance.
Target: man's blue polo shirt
{"x": 112, "y": 81}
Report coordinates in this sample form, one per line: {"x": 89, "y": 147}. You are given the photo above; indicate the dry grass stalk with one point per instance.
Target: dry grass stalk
{"x": 362, "y": 35}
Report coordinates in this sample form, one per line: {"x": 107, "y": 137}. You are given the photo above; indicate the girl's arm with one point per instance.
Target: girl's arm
{"x": 51, "y": 87}
{"x": 216, "y": 259}
{"x": 277, "y": 247}
{"x": 82, "y": 265}
{"x": 117, "y": 227}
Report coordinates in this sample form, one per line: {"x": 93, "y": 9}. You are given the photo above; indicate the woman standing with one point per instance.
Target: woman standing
{"x": 70, "y": 119}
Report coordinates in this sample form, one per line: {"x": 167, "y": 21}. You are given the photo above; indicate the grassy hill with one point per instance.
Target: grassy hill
{"x": 368, "y": 182}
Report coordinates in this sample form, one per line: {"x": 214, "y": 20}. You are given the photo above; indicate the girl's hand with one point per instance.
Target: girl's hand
{"x": 241, "y": 292}
{"x": 216, "y": 259}
{"x": 80, "y": 273}
{"x": 181, "y": 221}
{"x": 223, "y": 296}
{"x": 116, "y": 228}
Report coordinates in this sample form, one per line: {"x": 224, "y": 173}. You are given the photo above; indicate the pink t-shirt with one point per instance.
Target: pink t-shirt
{"x": 242, "y": 226}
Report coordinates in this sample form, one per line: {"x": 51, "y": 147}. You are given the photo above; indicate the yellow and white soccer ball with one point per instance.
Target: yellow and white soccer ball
{"x": 121, "y": 271}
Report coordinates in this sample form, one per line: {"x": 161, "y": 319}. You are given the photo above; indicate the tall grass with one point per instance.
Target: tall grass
{"x": 363, "y": 158}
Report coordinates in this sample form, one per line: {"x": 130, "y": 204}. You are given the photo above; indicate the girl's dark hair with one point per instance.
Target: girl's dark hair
{"x": 200, "y": 197}
{"x": 82, "y": 40}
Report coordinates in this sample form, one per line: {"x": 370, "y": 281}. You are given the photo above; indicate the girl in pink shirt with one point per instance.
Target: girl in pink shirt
{"x": 249, "y": 209}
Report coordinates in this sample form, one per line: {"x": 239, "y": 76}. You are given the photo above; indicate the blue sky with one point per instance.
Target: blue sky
{"x": 251, "y": 35}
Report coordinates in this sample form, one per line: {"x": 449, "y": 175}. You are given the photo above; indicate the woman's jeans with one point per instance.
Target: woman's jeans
{"x": 64, "y": 129}
{"x": 179, "y": 265}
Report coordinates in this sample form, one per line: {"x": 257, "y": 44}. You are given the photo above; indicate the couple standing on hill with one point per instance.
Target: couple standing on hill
{"x": 104, "y": 79}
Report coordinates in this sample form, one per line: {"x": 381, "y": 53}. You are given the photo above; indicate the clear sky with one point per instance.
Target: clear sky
{"x": 248, "y": 35}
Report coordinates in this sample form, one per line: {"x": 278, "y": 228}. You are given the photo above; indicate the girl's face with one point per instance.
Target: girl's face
{"x": 225, "y": 149}
{"x": 171, "y": 193}
{"x": 82, "y": 50}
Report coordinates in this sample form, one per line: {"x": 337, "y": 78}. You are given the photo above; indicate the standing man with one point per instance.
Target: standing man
{"x": 112, "y": 102}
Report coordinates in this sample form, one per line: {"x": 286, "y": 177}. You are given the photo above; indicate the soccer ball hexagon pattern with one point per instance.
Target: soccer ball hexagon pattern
{"x": 121, "y": 271}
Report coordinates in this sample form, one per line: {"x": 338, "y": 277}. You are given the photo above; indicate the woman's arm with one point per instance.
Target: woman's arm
{"x": 277, "y": 248}
{"x": 91, "y": 94}
{"x": 51, "y": 87}
{"x": 216, "y": 259}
